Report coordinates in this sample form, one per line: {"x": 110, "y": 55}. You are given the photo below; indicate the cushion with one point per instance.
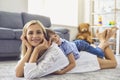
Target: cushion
{"x": 18, "y": 33}
{"x": 10, "y": 47}
{"x": 62, "y": 30}
{"x": 11, "y": 20}
{"x": 6, "y": 33}
{"x": 64, "y": 33}
{"x": 60, "y": 34}
{"x": 28, "y": 17}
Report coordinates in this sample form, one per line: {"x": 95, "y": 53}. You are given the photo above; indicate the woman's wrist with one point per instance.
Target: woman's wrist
{"x": 34, "y": 56}
{"x": 29, "y": 50}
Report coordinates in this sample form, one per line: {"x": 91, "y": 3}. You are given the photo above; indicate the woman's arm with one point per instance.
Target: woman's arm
{"x": 38, "y": 51}
{"x": 52, "y": 60}
{"x": 20, "y": 66}
{"x": 71, "y": 65}
{"x": 35, "y": 55}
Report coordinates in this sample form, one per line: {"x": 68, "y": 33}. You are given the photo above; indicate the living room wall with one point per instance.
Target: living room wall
{"x": 13, "y": 5}
{"x": 22, "y": 6}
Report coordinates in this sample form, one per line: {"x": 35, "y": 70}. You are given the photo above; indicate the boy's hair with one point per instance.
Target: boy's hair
{"x": 50, "y": 32}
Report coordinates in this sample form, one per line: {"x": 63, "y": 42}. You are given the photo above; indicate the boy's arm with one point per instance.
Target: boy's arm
{"x": 70, "y": 66}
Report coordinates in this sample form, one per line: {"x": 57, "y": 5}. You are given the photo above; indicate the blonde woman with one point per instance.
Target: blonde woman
{"x": 41, "y": 57}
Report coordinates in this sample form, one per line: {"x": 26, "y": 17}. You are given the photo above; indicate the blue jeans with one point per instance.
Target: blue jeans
{"x": 85, "y": 46}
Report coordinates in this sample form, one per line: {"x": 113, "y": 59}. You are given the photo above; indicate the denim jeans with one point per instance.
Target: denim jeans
{"x": 85, "y": 46}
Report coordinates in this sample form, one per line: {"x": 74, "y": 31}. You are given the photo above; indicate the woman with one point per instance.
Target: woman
{"x": 39, "y": 56}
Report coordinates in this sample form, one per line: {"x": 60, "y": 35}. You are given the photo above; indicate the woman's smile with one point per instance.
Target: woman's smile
{"x": 36, "y": 40}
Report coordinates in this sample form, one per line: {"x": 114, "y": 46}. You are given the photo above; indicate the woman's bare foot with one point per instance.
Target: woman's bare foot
{"x": 101, "y": 36}
{"x": 106, "y": 34}
{"x": 105, "y": 44}
{"x": 110, "y": 32}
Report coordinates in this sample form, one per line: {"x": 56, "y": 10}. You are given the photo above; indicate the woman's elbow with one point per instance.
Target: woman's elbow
{"x": 19, "y": 73}
{"x": 114, "y": 64}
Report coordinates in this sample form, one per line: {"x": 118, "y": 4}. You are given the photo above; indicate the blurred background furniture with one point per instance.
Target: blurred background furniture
{"x": 105, "y": 15}
{"x": 11, "y": 25}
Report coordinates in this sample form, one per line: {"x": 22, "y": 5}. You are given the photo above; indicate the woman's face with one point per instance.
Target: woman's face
{"x": 35, "y": 35}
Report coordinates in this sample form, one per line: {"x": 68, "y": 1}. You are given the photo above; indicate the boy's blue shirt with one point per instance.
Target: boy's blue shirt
{"x": 69, "y": 47}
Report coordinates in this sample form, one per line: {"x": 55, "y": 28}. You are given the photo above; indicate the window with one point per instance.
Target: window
{"x": 64, "y": 12}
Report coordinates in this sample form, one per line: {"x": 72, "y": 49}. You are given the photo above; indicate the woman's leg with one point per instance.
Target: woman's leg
{"x": 109, "y": 61}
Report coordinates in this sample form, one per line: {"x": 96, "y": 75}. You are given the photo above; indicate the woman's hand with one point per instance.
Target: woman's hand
{"x": 58, "y": 72}
{"x": 24, "y": 41}
{"x": 39, "y": 50}
{"x": 42, "y": 46}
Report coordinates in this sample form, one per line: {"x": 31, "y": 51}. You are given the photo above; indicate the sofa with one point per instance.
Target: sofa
{"x": 11, "y": 24}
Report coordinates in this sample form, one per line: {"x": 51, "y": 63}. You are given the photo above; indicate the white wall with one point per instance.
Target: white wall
{"x": 83, "y": 11}
{"x": 87, "y": 11}
{"x": 22, "y": 6}
{"x": 80, "y": 11}
{"x": 13, "y": 5}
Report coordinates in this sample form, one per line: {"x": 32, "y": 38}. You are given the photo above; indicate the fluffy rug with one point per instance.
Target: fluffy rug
{"x": 7, "y": 73}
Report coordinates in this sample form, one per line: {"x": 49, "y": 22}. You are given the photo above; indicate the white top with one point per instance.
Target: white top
{"x": 52, "y": 60}
{"x": 87, "y": 62}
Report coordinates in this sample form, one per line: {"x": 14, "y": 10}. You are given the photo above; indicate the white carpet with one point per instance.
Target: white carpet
{"x": 7, "y": 73}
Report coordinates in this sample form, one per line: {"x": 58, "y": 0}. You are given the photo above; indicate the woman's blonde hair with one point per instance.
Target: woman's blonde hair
{"x": 32, "y": 22}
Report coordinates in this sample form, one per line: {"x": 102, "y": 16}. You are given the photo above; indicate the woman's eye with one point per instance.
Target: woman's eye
{"x": 38, "y": 32}
{"x": 30, "y": 33}
{"x": 55, "y": 35}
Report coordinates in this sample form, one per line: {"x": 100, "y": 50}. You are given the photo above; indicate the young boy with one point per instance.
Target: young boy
{"x": 75, "y": 46}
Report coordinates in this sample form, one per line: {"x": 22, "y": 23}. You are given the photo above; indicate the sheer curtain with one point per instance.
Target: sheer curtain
{"x": 61, "y": 12}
